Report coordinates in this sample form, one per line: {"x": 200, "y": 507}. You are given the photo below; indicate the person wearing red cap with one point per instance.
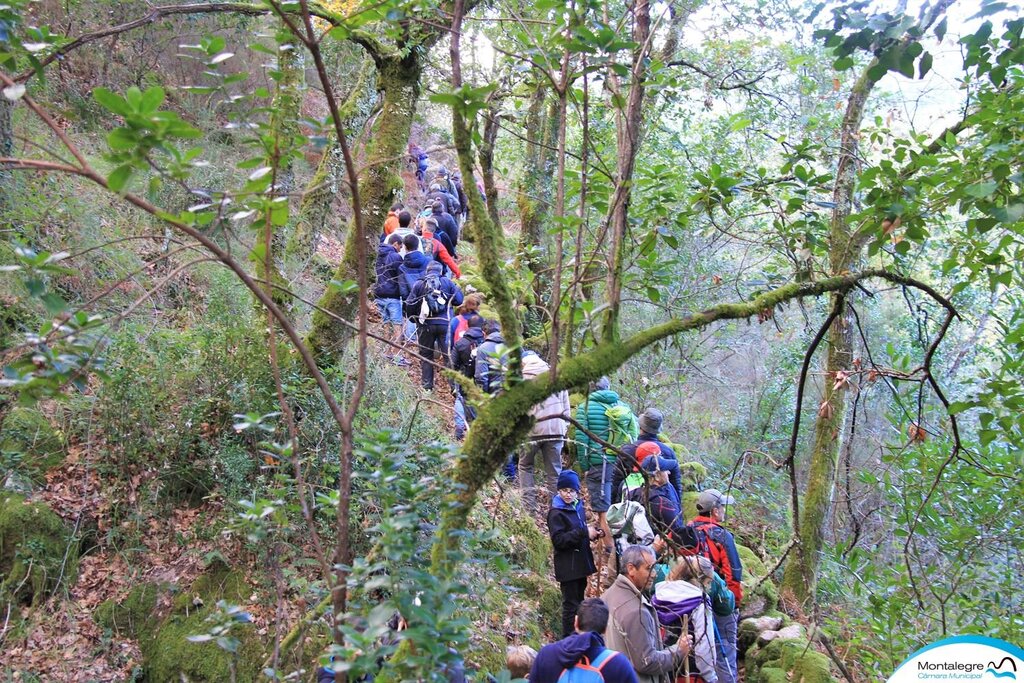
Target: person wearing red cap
{"x": 666, "y": 516}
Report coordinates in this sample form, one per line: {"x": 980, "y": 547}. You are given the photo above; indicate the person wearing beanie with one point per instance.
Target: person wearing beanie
{"x": 650, "y": 422}
{"x": 570, "y": 538}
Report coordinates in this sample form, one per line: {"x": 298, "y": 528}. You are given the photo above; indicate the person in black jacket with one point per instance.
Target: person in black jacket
{"x": 445, "y": 225}
{"x": 464, "y": 362}
{"x": 571, "y": 537}
{"x": 387, "y": 293}
{"x": 432, "y": 330}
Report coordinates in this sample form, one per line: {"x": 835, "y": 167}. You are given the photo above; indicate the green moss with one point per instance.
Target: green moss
{"x": 135, "y": 614}
{"x": 38, "y": 554}
{"x": 789, "y": 661}
{"x": 30, "y": 441}
{"x": 693, "y": 474}
{"x": 752, "y": 564}
{"x": 690, "y": 504}
{"x": 528, "y": 547}
{"x": 549, "y": 603}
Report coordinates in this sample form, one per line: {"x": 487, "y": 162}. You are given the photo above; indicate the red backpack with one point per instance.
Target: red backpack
{"x": 715, "y": 551}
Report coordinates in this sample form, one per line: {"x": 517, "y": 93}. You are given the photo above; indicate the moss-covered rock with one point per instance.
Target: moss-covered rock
{"x": 693, "y": 475}
{"x": 787, "y": 661}
{"x": 30, "y": 443}
{"x": 168, "y": 656}
{"x": 38, "y": 553}
{"x": 549, "y": 602}
{"x": 527, "y": 546}
{"x": 690, "y": 505}
{"x": 752, "y": 564}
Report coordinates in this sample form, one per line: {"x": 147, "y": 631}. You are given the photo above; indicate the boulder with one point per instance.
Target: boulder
{"x": 750, "y": 629}
{"x": 752, "y": 564}
{"x": 38, "y": 553}
{"x": 788, "y": 633}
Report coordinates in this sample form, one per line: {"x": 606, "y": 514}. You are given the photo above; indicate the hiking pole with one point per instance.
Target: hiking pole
{"x": 685, "y": 634}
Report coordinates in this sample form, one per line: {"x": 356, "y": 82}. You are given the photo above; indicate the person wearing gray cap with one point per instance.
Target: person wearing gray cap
{"x": 650, "y": 426}
{"x": 717, "y": 544}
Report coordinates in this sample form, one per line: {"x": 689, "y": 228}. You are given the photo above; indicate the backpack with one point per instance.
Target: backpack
{"x": 623, "y": 427}
{"x": 435, "y": 301}
{"x": 723, "y": 602}
{"x": 585, "y": 671}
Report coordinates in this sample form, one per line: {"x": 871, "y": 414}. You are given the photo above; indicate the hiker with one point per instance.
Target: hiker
{"x": 447, "y": 229}
{"x": 633, "y": 625}
{"x": 546, "y": 437}
{"x": 437, "y": 193}
{"x": 612, "y": 421}
{"x": 519, "y": 660}
{"x": 463, "y": 356}
{"x": 630, "y": 526}
{"x": 419, "y": 157}
{"x": 716, "y": 543}
{"x": 444, "y": 179}
{"x": 387, "y": 293}
{"x": 460, "y": 192}
{"x": 583, "y": 650}
{"x": 649, "y": 424}
{"x": 491, "y": 358}
{"x": 391, "y": 222}
{"x": 404, "y": 225}
{"x": 685, "y": 593}
{"x": 570, "y": 537}
{"x": 433, "y": 246}
{"x": 460, "y": 323}
{"x": 429, "y": 302}
{"x": 658, "y": 497}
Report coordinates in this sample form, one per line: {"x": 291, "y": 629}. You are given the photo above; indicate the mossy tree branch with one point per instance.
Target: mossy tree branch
{"x": 504, "y": 421}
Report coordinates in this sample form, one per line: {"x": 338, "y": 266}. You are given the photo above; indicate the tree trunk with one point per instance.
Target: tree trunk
{"x": 533, "y": 195}
{"x": 398, "y": 78}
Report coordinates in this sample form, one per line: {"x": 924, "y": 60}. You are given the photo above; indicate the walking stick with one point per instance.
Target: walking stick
{"x": 686, "y": 634}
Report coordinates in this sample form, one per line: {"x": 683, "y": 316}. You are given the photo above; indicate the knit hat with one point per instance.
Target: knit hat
{"x": 650, "y": 421}
{"x": 647, "y": 448}
{"x": 602, "y": 384}
{"x": 653, "y": 464}
{"x": 712, "y": 498}
{"x": 568, "y": 479}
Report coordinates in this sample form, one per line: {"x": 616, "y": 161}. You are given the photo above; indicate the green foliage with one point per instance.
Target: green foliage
{"x": 38, "y": 554}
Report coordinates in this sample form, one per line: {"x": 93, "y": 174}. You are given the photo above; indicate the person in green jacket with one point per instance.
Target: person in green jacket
{"x": 596, "y": 460}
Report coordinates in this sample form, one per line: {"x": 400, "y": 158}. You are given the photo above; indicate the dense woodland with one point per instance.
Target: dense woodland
{"x": 795, "y": 229}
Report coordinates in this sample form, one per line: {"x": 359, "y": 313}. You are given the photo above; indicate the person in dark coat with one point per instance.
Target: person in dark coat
{"x": 570, "y": 537}
{"x": 439, "y": 194}
{"x": 650, "y": 426}
{"x": 445, "y": 225}
{"x": 585, "y": 644}
{"x": 387, "y": 293}
{"x": 464, "y": 362}
{"x": 414, "y": 266}
{"x": 665, "y": 514}
{"x": 432, "y": 331}
{"x": 491, "y": 359}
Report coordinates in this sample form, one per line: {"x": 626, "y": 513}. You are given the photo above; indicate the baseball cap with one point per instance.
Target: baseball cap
{"x": 711, "y": 499}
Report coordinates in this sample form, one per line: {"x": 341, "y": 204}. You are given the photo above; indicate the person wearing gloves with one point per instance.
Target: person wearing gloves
{"x": 570, "y": 537}
{"x": 685, "y": 594}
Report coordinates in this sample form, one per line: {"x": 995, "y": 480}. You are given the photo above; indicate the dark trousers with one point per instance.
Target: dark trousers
{"x": 572, "y": 596}
{"x": 431, "y": 335}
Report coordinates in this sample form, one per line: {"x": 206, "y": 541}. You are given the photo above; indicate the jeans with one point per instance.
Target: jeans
{"x": 599, "y": 484}
{"x": 551, "y": 451}
{"x": 725, "y": 665}
{"x": 431, "y": 335}
{"x": 460, "y": 417}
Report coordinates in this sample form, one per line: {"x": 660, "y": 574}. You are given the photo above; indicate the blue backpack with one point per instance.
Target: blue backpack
{"x": 586, "y": 671}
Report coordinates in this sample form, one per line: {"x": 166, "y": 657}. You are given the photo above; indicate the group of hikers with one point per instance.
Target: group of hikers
{"x": 670, "y": 613}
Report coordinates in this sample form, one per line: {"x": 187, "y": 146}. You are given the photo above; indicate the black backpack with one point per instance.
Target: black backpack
{"x": 435, "y": 301}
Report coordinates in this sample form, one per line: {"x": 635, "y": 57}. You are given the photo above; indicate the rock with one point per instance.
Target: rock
{"x": 787, "y": 661}
{"x": 760, "y": 601}
{"x": 752, "y": 564}
{"x": 38, "y": 553}
{"x": 788, "y": 633}
{"x": 750, "y": 629}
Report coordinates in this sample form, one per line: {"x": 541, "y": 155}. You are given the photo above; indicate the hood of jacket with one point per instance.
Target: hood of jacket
{"x": 533, "y": 365}
{"x": 495, "y": 337}
{"x": 385, "y": 249}
{"x": 415, "y": 260}
{"x": 474, "y": 333}
{"x": 570, "y": 650}
{"x": 606, "y": 396}
{"x": 673, "y": 599}
{"x": 435, "y": 267}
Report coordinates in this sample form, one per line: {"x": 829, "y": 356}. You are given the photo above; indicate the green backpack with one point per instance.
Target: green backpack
{"x": 623, "y": 427}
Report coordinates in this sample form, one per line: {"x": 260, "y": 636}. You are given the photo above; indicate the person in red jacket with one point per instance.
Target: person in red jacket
{"x": 391, "y": 222}
{"x": 438, "y": 251}
{"x": 717, "y": 544}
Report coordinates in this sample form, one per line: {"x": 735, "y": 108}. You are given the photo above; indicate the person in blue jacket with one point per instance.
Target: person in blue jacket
{"x": 387, "y": 293}
{"x": 570, "y": 537}
{"x": 585, "y": 645}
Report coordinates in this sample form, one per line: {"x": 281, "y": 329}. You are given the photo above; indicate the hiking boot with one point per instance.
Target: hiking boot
{"x": 401, "y": 362}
